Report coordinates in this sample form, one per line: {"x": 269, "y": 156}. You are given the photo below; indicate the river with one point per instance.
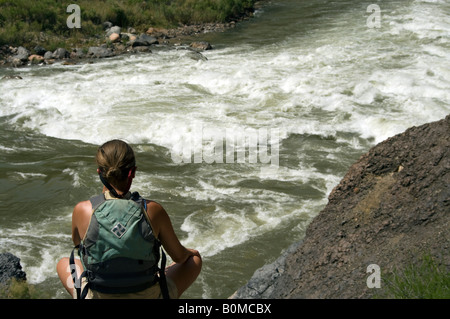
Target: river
{"x": 318, "y": 82}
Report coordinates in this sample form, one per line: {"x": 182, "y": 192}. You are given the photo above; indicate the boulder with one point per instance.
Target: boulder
{"x": 100, "y": 52}
{"x": 77, "y": 53}
{"x": 112, "y": 30}
{"x": 196, "y": 56}
{"x": 10, "y": 268}
{"x": 263, "y": 282}
{"x": 39, "y": 50}
{"x": 20, "y": 57}
{"x": 22, "y": 54}
{"x": 60, "y": 54}
{"x": 145, "y": 40}
{"x": 48, "y": 55}
{"x": 115, "y": 37}
{"x": 201, "y": 45}
{"x": 107, "y": 25}
{"x": 132, "y": 38}
{"x": 35, "y": 59}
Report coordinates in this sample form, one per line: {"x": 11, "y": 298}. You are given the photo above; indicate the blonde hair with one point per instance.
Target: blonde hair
{"x": 115, "y": 159}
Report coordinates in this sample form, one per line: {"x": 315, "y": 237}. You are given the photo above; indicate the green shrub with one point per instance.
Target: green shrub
{"x": 425, "y": 280}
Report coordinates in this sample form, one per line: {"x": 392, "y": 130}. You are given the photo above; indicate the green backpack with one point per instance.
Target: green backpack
{"x": 119, "y": 252}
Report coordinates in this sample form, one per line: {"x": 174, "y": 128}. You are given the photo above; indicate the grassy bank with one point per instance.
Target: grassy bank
{"x": 428, "y": 279}
{"x": 44, "y": 22}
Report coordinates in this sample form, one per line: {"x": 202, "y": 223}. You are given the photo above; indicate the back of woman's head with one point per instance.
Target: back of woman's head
{"x": 114, "y": 160}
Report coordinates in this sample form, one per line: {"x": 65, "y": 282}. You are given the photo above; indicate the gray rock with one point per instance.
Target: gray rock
{"x": 10, "y": 268}
{"x": 107, "y": 25}
{"x": 145, "y": 40}
{"x": 112, "y": 30}
{"x": 264, "y": 281}
{"x": 100, "y": 52}
{"x": 19, "y": 57}
{"x": 22, "y": 54}
{"x": 196, "y": 56}
{"x": 77, "y": 54}
{"x": 48, "y": 55}
{"x": 60, "y": 54}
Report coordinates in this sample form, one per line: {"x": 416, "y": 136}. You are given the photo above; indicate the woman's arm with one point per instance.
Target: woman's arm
{"x": 163, "y": 230}
{"x": 80, "y": 221}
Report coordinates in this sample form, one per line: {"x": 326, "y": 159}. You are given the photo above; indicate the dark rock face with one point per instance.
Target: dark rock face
{"x": 10, "y": 268}
{"x": 391, "y": 208}
{"x": 265, "y": 281}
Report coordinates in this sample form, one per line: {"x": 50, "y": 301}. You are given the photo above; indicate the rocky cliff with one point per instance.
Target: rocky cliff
{"x": 10, "y": 267}
{"x": 391, "y": 208}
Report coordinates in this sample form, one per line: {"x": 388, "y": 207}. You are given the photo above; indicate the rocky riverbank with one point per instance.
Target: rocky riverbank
{"x": 389, "y": 210}
{"x": 117, "y": 41}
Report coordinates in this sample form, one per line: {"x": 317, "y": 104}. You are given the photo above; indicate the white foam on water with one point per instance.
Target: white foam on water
{"x": 6, "y": 149}
{"x": 220, "y": 231}
{"x": 202, "y": 94}
{"x": 75, "y": 175}
{"x": 46, "y": 268}
{"x": 216, "y": 231}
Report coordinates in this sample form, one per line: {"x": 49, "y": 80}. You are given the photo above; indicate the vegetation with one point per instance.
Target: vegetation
{"x": 20, "y": 289}
{"x": 44, "y": 21}
{"x": 426, "y": 280}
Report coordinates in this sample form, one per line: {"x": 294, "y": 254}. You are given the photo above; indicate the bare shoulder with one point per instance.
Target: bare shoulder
{"x": 82, "y": 214}
{"x": 154, "y": 208}
{"x": 157, "y": 216}
{"x": 83, "y": 207}
{"x": 156, "y": 213}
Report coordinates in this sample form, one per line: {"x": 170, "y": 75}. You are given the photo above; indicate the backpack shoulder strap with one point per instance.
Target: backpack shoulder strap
{"x": 96, "y": 201}
{"x": 143, "y": 202}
